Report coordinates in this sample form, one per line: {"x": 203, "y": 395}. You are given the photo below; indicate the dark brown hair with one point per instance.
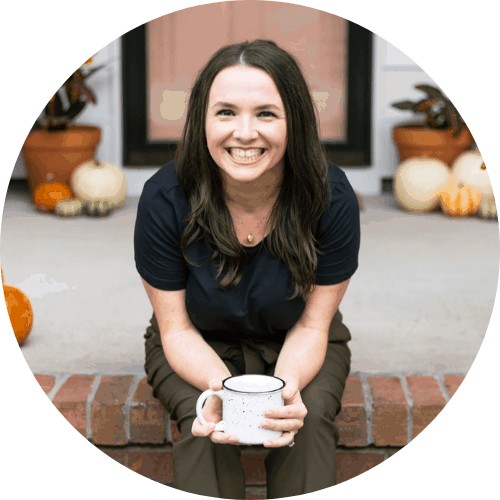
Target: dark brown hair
{"x": 303, "y": 193}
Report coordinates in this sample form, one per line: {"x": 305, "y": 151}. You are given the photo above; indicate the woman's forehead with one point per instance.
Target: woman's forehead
{"x": 243, "y": 83}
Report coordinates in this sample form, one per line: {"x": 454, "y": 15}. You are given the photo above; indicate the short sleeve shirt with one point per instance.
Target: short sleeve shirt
{"x": 258, "y": 308}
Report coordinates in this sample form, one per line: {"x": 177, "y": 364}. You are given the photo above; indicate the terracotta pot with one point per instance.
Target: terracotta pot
{"x": 431, "y": 143}
{"x": 58, "y": 152}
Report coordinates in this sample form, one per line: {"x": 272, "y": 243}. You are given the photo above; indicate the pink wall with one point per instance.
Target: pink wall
{"x": 179, "y": 44}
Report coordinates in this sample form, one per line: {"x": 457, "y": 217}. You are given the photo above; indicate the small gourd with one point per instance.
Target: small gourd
{"x": 99, "y": 208}
{"x": 47, "y": 194}
{"x": 96, "y": 180}
{"x": 487, "y": 208}
{"x": 459, "y": 199}
{"x": 70, "y": 207}
{"x": 20, "y": 311}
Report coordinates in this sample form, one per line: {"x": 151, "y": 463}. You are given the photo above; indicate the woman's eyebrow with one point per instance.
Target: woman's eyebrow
{"x": 222, "y": 104}
{"x": 261, "y": 107}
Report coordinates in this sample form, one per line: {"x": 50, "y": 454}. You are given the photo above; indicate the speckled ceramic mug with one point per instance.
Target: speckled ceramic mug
{"x": 245, "y": 398}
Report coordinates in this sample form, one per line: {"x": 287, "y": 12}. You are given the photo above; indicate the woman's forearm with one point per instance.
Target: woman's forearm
{"x": 193, "y": 359}
{"x": 302, "y": 355}
{"x": 304, "y": 350}
{"x": 185, "y": 349}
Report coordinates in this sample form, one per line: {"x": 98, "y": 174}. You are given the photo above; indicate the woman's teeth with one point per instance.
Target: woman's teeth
{"x": 245, "y": 154}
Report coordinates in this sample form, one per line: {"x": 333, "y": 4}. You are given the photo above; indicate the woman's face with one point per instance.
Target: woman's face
{"x": 246, "y": 125}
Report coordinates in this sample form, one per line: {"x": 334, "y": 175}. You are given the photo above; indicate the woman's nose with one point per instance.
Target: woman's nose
{"x": 245, "y": 129}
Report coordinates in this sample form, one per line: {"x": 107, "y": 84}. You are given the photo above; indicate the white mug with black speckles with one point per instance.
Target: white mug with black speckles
{"x": 245, "y": 398}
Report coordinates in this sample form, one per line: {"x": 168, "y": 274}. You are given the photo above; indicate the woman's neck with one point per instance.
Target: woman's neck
{"x": 252, "y": 196}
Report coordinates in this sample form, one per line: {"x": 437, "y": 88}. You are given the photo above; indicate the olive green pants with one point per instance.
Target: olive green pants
{"x": 215, "y": 470}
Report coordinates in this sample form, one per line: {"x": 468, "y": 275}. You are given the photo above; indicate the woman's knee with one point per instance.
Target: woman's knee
{"x": 322, "y": 398}
{"x": 322, "y": 408}
{"x": 323, "y": 395}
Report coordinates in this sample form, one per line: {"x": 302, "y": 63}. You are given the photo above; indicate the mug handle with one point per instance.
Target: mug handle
{"x": 219, "y": 426}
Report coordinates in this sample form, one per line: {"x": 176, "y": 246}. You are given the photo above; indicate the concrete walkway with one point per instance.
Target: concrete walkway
{"x": 420, "y": 301}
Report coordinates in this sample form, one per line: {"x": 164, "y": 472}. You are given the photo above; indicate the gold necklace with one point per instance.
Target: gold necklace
{"x": 250, "y": 235}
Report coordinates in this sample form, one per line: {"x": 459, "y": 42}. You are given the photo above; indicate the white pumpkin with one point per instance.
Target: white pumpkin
{"x": 469, "y": 169}
{"x": 418, "y": 181}
{"x": 95, "y": 180}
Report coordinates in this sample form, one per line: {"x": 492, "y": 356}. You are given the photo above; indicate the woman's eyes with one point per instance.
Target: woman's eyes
{"x": 225, "y": 112}
{"x": 261, "y": 114}
{"x": 267, "y": 114}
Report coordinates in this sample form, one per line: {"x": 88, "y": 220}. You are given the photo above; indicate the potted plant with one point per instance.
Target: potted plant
{"x": 56, "y": 146}
{"x": 442, "y": 135}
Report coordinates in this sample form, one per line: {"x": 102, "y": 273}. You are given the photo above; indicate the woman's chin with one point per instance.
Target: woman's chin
{"x": 249, "y": 172}
{"x": 242, "y": 173}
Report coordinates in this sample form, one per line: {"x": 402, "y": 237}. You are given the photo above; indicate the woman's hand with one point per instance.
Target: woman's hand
{"x": 212, "y": 411}
{"x": 288, "y": 418}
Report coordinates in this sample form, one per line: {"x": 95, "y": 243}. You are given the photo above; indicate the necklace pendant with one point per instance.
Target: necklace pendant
{"x": 250, "y": 237}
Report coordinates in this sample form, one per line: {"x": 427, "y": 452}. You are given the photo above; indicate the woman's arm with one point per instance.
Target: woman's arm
{"x": 191, "y": 358}
{"x": 185, "y": 349}
{"x": 304, "y": 349}
{"x": 301, "y": 358}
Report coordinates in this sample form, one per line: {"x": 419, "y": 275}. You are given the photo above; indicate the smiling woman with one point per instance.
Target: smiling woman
{"x": 246, "y": 245}
{"x": 247, "y": 139}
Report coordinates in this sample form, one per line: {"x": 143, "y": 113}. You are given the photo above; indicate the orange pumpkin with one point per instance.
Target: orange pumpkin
{"x": 20, "y": 312}
{"x": 47, "y": 194}
{"x": 459, "y": 199}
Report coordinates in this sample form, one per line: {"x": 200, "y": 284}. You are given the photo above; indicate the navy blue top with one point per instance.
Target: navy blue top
{"x": 257, "y": 308}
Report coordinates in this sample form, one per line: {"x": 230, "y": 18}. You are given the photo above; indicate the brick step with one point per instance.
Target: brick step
{"x": 156, "y": 462}
{"x": 117, "y": 413}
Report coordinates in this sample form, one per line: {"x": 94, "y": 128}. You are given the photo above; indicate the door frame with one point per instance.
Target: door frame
{"x": 354, "y": 151}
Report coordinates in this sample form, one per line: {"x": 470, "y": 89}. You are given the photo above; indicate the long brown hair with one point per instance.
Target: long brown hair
{"x": 303, "y": 193}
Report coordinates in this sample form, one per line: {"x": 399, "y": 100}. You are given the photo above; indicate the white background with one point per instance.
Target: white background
{"x": 457, "y": 45}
